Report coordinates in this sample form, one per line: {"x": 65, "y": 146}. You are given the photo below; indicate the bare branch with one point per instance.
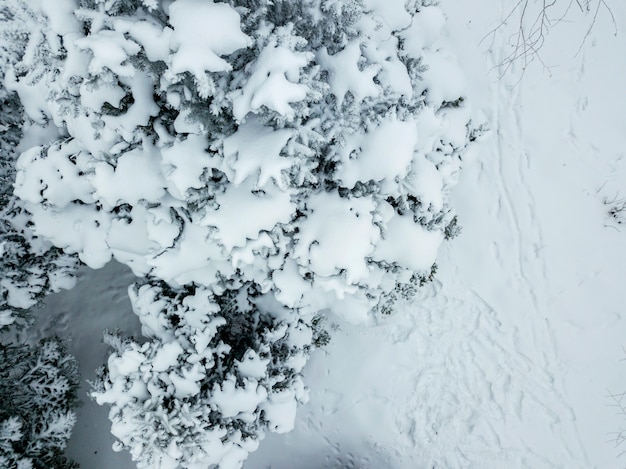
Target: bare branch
{"x": 535, "y": 19}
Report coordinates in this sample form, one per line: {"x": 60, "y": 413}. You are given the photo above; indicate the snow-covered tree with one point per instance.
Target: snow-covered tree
{"x": 278, "y": 158}
{"x": 306, "y": 146}
{"x": 38, "y": 392}
{"x": 216, "y": 372}
{"x": 38, "y": 383}
{"x": 30, "y": 267}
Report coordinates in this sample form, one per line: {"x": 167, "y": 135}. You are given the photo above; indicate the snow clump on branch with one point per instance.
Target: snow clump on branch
{"x": 307, "y": 146}
{"x": 256, "y": 162}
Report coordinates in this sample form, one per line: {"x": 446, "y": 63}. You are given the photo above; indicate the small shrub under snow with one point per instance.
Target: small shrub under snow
{"x": 38, "y": 392}
{"x": 215, "y": 373}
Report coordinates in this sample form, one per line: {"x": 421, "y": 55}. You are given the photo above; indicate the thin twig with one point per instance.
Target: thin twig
{"x": 535, "y": 19}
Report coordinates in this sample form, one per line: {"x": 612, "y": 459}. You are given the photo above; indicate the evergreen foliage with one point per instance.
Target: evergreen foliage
{"x": 256, "y": 162}
{"x": 38, "y": 392}
{"x": 216, "y": 372}
{"x": 30, "y": 266}
{"x": 38, "y": 383}
{"x": 285, "y": 120}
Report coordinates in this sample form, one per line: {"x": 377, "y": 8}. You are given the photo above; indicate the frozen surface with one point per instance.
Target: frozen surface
{"x": 508, "y": 361}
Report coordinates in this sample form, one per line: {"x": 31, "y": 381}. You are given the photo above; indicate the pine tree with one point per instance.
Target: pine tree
{"x": 215, "y": 374}
{"x": 38, "y": 383}
{"x": 321, "y": 89}
{"x": 38, "y": 392}
{"x": 31, "y": 267}
{"x": 277, "y": 158}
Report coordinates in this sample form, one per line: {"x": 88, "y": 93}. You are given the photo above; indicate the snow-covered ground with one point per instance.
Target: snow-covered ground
{"x": 509, "y": 358}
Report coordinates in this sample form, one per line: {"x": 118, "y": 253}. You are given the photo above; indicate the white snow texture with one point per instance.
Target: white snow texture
{"x": 303, "y": 152}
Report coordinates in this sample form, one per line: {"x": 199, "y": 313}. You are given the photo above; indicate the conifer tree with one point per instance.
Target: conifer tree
{"x": 256, "y": 163}
{"x": 38, "y": 383}
{"x": 31, "y": 267}
{"x": 262, "y": 148}
{"x": 215, "y": 374}
{"x": 38, "y": 392}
